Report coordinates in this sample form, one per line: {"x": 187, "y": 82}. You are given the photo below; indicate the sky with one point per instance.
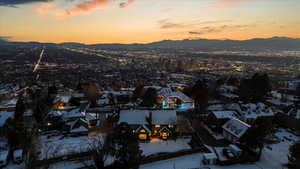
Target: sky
{"x": 143, "y": 21}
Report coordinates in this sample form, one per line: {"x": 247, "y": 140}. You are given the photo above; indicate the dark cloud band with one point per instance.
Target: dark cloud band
{"x": 19, "y": 2}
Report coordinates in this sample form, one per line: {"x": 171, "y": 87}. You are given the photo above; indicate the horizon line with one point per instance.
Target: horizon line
{"x": 144, "y": 43}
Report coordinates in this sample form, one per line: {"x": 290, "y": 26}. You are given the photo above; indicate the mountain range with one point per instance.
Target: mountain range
{"x": 274, "y": 43}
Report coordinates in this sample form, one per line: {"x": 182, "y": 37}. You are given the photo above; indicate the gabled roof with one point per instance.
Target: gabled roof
{"x": 170, "y": 93}
{"x": 73, "y": 113}
{"x": 138, "y": 117}
{"x": 236, "y": 127}
{"x": 252, "y": 110}
{"x": 224, "y": 114}
{"x": 62, "y": 98}
{"x": 4, "y": 116}
{"x": 164, "y": 128}
{"x": 144, "y": 127}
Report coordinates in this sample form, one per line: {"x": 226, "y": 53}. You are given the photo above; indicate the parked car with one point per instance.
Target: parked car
{"x": 18, "y": 156}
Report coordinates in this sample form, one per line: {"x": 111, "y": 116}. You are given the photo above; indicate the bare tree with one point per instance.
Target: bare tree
{"x": 100, "y": 148}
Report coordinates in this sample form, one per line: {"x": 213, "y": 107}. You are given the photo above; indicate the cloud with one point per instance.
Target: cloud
{"x": 84, "y": 7}
{"x": 127, "y": 4}
{"x": 13, "y": 3}
{"x": 195, "y": 33}
{"x": 218, "y": 29}
{"x": 168, "y": 24}
{"x": 224, "y": 3}
{"x": 48, "y": 9}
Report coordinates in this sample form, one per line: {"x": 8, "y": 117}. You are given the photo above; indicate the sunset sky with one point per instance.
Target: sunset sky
{"x": 141, "y": 21}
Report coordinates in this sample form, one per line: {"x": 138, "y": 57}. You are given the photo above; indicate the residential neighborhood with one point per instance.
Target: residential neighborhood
{"x": 147, "y": 126}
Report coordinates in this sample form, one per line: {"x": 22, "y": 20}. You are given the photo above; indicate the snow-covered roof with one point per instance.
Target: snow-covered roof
{"x": 144, "y": 127}
{"x": 4, "y": 116}
{"x": 79, "y": 129}
{"x": 3, "y": 155}
{"x": 154, "y": 87}
{"x": 138, "y": 117}
{"x": 215, "y": 107}
{"x": 77, "y": 95}
{"x": 294, "y": 113}
{"x": 56, "y": 113}
{"x": 252, "y": 110}
{"x": 62, "y": 98}
{"x": 236, "y": 127}
{"x": 176, "y": 85}
{"x": 227, "y": 88}
{"x": 18, "y": 153}
{"x": 233, "y": 106}
{"x": 12, "y": 101}
{"x": 170, "y": 93}
{"x": 4, "y": 91}
{"x": 224, "y": 114}
{"x": 72, "y": 114}
{"x": 209, "y": 156}
{"x": 229, "y": 95}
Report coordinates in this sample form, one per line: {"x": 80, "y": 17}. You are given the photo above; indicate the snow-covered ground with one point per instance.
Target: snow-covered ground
{"x": 276, "y": 155}
{"x": 15, "y": 166}
{"x": 57, "y": 146}
{"x": 69, "y": 165}
{"x": 160, "y": 146}
{"x": 191, "y": 161}
{"x": 271, "y": 159}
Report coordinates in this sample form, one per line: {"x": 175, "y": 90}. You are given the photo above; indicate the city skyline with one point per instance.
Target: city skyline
{"x": 144, "y": 21}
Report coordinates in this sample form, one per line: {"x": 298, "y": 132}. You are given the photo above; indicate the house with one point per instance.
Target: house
{"x": 61, "y": 101}
{"x": 292, "y": 85}
{"x": 150, "y": 123}
{"x": 78, "y": 127}
{"x": 72, "y": 114}
{"x": 216, "y": 119}
{"x": 250, "y": 112}
{"x": 8, "y": 104}
{"x": 18, "y": 156}
{"x": 4, "y": 116}
{"x": 227, "y": 92}
{"x": 235, "y": 150}
{"x": 174, "y": 99}
{"x": 99, "y": 116}
{"x": 295, "y": 113}
{"x": 209, "y": 158}
{"x": 234, "y": 129}
{"x": 3, "y": 157}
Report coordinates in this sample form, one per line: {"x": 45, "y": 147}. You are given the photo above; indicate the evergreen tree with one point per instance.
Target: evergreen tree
{"x": 257, "y": 135}
{"x": 256, "y": 88}
{"x": 20, "y": 108}
{"x": 298, "y": 94}
{"x": 294, "y": 156}
{"x": 200, "y": 95}
{"x": 150, "y": 98}
{"x": 127, "y": 152}
{"x": 138, "y": 92}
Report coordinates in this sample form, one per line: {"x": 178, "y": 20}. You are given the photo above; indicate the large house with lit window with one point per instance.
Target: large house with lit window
{"x": 150, "y": 123}
{"x": 174, "y": 99}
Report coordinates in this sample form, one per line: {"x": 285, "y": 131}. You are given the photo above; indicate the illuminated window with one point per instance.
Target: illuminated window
{"x": 61, "y": 106}
{"x": 142, "y": 131}
{"x": 157, "y": 126}
{"x": 142, "y": 136}
{"x": 171, "y": 126}
{"x": 164, "y": 135}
